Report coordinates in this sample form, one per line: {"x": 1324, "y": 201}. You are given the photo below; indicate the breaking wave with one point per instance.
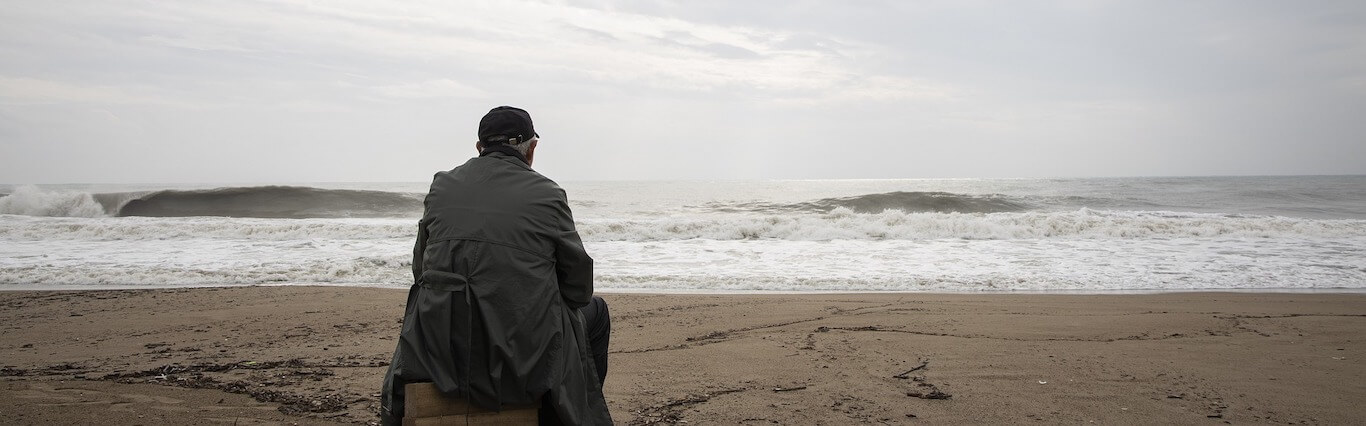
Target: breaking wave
{"x": 840, "y": 224}
{"x": 390, "y": 270}
{"x": 277, "y": 202}
{"x": 18, "y": 228}
{"x": 30, "y": 201}
{"x": 912, "y": 202}
{"x": 295, "y": 202}
{"x": 291, "y": 202}
{"x": 845, "y": 224}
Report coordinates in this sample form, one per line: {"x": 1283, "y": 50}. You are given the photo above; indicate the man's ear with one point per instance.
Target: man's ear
{"x": 531, "y": 151}
{"x": 478, "y": 147}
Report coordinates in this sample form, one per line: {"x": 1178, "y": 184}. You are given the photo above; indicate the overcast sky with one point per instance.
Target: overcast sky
{"x": 302, "y": 91}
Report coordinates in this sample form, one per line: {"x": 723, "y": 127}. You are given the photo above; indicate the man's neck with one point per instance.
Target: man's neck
{"x": 504, "y": 149}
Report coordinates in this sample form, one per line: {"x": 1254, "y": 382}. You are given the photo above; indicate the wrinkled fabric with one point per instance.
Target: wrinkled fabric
{"x": 493, "y": 315}
{"x": 598, "y": 324}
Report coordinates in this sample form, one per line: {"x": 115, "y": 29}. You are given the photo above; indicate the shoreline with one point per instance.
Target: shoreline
{"x": 1064, "y": 292}
{"x": 316, "y": 354}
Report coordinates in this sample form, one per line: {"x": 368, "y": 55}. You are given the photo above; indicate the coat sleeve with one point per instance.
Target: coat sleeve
{"x": 573, "y": 267}
{"x": 418, "y": 248}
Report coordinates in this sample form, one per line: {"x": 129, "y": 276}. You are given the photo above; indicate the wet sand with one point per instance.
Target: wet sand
{"x": 316, "y": 355}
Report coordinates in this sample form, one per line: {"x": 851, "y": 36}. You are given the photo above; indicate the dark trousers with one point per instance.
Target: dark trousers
{"x": 599, "y": 325}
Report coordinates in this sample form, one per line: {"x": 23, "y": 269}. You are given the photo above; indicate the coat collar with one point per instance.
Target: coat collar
{"x": 505, "y": 153}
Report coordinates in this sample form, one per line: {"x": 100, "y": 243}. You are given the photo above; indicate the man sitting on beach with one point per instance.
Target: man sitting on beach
{"x": 502, "y": 311}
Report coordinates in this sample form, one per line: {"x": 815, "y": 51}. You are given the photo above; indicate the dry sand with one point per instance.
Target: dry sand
{"x": 316, "y": 355}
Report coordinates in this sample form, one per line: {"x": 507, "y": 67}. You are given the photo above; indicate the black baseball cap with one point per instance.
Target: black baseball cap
{"x": 505, "y": 123}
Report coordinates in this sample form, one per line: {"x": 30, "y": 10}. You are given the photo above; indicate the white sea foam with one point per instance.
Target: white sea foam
{"x": 170, "y": 263}
{"x": 999, "y": 265}
{"x": 31, "y": 201}
{"x": 27, "y": 228}
{"x": 648, "y": 237}
{"x": 841, "y": 251}
{"x": 954, "y": 265}
{"x": 843, "y": 224}
{"x": 840, "y": 224}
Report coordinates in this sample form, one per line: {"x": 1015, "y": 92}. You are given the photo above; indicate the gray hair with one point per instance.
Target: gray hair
{"x": 521, "y": 146}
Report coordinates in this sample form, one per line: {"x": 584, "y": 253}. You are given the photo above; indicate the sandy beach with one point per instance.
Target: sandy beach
{"x": 316, "y": 355}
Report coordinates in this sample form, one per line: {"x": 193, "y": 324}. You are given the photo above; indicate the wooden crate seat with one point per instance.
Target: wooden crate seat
{"x": 425, "y": 405}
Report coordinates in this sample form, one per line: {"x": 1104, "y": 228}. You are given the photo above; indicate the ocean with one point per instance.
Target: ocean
{"x": 1282, "y": 233}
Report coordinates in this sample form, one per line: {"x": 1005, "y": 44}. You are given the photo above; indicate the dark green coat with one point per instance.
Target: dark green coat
{"x": 500, "y": 273}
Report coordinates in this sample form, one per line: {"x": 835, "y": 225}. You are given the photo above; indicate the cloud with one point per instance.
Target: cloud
{"x": 227, "y": 45}
{"x": 491, "y": 42}
{"x": 1036, "y": 79}
{"x": 595, "y": 35}
{"x": 23, "y": 90}
{"x": 439, "y": 88}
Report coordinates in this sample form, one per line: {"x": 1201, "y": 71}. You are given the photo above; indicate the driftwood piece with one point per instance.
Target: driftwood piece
{"x": 907, "y": 374}
{"x": 934, "y": 393}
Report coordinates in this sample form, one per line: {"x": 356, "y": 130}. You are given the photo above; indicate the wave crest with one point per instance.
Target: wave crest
{"x": 913, "y": 202}
{"x": 846, "y": 224}
{"x": 288, "y": 202}
{"x": 17, "y": 228}
{"x": 28, "y": 200}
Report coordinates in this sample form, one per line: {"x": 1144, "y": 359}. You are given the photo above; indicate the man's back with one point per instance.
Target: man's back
{"x": 499, "y": 274}
{"x": 497, "y": 206}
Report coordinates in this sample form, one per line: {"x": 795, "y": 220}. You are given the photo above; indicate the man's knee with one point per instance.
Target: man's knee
{"x": 600, "y": 306}
{"x": 597, "y": 316}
